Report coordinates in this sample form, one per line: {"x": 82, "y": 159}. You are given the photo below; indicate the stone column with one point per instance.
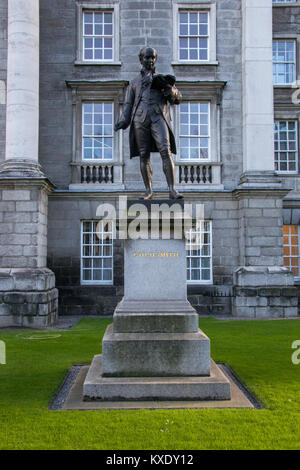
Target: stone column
{"x": 22, "y": 118}
{"x": 27, "y": 288}
{"x": 22, "y": 115}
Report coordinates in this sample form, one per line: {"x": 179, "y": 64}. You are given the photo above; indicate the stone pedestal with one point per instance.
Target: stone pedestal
{"x": 264, "y": 292}
{"x": 154, "y": 349}
{"x": 28, "y": 297}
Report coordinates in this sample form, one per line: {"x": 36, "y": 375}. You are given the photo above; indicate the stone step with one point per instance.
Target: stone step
{"x": 155, "y": 354}
{"x": 155, "y": 317}
{"x": 156, "y": 323}
{"x": 214, "y": 387}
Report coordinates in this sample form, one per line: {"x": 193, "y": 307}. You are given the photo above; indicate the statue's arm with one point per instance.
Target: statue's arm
{"x": 172, "y": 94}
{"x": 125, "y": 118}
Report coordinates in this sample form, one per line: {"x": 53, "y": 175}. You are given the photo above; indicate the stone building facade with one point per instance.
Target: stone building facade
{"x": 64, "y": 69}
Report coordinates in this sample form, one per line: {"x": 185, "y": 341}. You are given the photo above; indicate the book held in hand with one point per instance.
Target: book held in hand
{"x": 160, "y": 81}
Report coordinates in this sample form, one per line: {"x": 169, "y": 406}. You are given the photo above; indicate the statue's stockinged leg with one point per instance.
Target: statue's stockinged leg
{"x": 146, "y": 171}
{"x": 169, "y": 171}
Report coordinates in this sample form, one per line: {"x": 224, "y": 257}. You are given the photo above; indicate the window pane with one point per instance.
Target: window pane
{"x": 88, "y": 54}
{"x": 88, "y": 17}
{"x": 108, "y": 18}
{"x": 108, "y": 30}
{"x": 98, "y": 18}
{"x": 107, "y": 54}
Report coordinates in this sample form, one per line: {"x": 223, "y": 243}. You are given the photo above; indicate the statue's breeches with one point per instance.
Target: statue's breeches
{"x": 146, "y": 130}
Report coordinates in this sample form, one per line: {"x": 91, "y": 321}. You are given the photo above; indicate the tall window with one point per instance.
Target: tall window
{"x": 96, "y": 252}
{"x": 194, "y": 136}
{"x": 98, "y": 33}
{"x": 284, "y": 61}
{"x": 291, "y": 248}
{"x": 193, "y": 35}
{"x": 97, "y": 131}
{"x": 286, "y": 146}
{"x": 199, "y": 253}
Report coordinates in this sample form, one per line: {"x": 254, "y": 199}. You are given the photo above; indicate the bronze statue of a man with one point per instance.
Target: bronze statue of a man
{"x": 146, "y": 110}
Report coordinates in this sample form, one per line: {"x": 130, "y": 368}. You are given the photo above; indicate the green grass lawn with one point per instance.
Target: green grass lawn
{"x": 258, "y": 351}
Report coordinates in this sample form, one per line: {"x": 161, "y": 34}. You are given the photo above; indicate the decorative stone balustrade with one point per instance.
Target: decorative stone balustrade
{"x": 195, "y": 174}
{"x": 91, "y": 174}
{"x": 190, "y": 175}
{"x": 96, "y": 173}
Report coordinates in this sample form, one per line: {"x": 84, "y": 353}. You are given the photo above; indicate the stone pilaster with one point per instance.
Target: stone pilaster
{"x": 260, "y": 282}
{"x": 258, "y": 149}
{"x": 27, "y": 288}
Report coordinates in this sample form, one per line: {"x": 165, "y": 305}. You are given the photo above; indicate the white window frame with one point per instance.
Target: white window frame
{"x": 208, "y": 92}
{"x": 199, "y": 160}
{"x": 293, "y": 256}
{"x": 200, "y": 231}
{"x": 287, "y": 39}
{"x": 94, "y": 37}
{"x": 96, "y": 91}
{"x": 276, "y": 2}
{"x": 108, "y": 6}
{"x": 112, "y": 136}
{"x": 288, "y": 172}
{"x": 209, "y": 7}
{"x": 82, "y": 256}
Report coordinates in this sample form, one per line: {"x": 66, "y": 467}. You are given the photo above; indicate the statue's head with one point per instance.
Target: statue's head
{"x": 148, "y": 57}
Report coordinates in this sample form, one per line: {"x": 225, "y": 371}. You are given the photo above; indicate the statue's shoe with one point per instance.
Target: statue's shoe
{"x": 175, "y": 195}
{"x": 147, "y": 196}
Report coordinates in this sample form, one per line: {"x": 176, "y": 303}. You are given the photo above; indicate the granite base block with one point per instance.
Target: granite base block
{"x": 96, "y": 387}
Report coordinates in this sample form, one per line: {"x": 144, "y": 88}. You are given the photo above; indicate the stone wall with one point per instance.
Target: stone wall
{"x": 65, "y": 214}
{"x": 211, "y": 300}
{"x": 3, "y": 69}
{"x": 286, "y": 24}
